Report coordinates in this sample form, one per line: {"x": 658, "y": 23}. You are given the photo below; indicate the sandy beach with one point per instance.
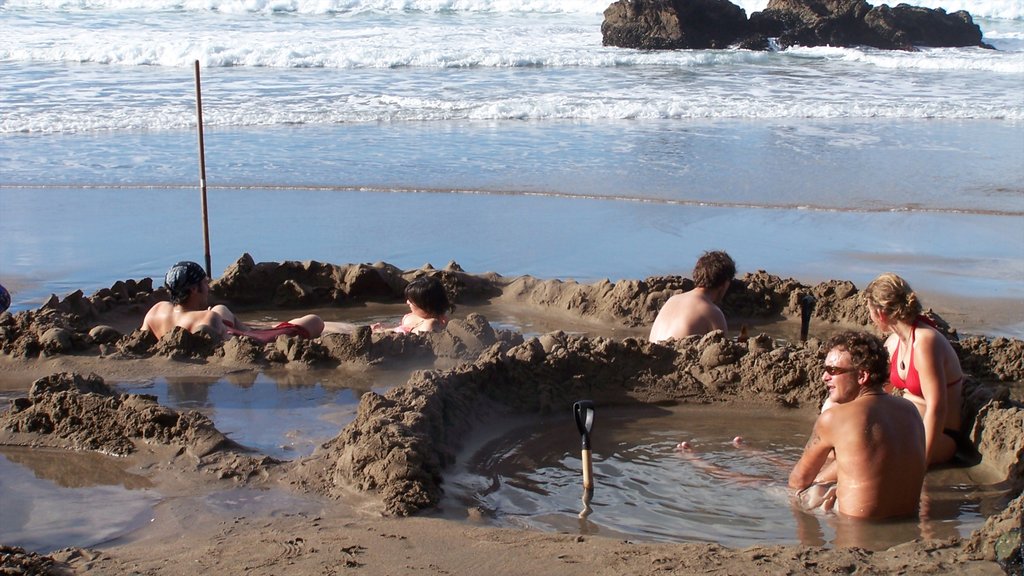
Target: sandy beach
{"x": 561, "y": 189}
{"x": 365, "y": 501}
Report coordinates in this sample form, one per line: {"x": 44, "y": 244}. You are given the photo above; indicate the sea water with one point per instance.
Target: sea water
{"x": 501, "y": 135}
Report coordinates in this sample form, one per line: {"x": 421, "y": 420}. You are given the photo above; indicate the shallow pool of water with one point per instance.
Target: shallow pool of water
{"x": 646, "y": 489}
{"x": 56, "y": 498}
{"x": 523, "y": 472}
{"x": 278, "y": 413}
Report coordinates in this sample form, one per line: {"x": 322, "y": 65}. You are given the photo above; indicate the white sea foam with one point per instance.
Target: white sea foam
{"x": 452, "y": 45}
{"x": 73, "y": 66}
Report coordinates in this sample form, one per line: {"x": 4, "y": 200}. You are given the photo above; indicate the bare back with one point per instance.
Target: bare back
{"x": 687, "y": 314}
{"x": 164, "y": 317}
{"x": 879, "y": 450}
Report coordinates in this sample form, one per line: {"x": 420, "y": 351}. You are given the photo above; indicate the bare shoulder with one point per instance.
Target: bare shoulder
{"x": 156, "y": 312}
{"x": 428, "y": 325}
{"x": 832, "y": 417}
{"x": 677, "y": 299}
{"x": 162, "y": 306}
{"x": 891, "y": 341}
{"x": 931, "y": 338}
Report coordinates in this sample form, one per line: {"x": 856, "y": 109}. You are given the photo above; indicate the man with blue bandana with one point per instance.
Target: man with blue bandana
{"x": 189, "y": 308}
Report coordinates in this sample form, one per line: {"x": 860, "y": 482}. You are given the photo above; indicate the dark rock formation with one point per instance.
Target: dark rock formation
{"x": 907, "y": 26}
{"x": 702, "y": 24}
{"x": 671, "y": 24}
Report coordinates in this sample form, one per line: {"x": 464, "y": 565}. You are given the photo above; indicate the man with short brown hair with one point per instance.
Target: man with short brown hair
{"x": 696, "y": 312}
{"x": 877, "y": 439}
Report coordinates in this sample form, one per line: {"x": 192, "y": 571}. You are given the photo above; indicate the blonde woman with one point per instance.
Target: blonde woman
{"x": 923, "y": 367}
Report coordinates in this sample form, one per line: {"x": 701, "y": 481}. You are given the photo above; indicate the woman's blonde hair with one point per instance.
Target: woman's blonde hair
{"x": 892, "y": 295}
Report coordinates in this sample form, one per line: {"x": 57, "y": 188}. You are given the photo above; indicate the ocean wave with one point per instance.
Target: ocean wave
{"x": 408, "y": 109}
{"x": 318, "y": 6}
{"x": 574, "y": 49}
{"x": 1000, "y": 9}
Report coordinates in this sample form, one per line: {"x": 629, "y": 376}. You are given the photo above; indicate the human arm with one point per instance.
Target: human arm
{"x": 717, "y": 320}
{"x": 816, "y": 453}
{"x": 892, "y": 343}
{"x": 213, "y": 323}
{"x": 149, "y": 322}
{"x": 932, "y": 376}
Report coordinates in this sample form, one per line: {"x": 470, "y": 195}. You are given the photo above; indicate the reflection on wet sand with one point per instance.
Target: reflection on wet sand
{"x": 74, "y": 469}
{"x": 55, "y": 498}
{"x": 279, "y": 412}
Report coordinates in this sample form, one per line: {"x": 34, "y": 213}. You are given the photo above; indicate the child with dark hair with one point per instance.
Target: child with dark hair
{"x": 428, "y": 306}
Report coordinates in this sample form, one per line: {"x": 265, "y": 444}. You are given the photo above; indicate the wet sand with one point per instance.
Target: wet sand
{"x": 359, "y": 501}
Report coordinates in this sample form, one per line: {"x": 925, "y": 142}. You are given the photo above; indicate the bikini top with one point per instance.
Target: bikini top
{"x": 913, "y": 382}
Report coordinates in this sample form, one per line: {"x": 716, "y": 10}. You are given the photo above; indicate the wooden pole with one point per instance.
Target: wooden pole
{"x": 202, "y": 170}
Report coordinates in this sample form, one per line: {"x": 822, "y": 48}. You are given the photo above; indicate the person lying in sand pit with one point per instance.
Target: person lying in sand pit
{"x": 696, "y": 312}
{"x": 189, "y": 308}
{"x": 428, "y": 308}
{"x": 877, "y": 440}
{"x": 924, "y": 367}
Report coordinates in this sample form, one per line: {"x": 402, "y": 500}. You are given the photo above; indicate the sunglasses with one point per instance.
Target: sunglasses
{"x": 837, "y": 370}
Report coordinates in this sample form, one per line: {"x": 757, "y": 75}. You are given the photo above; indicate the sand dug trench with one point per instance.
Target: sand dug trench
{"x": 389, "y": 462}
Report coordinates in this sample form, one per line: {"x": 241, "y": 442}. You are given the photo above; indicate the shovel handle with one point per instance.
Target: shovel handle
{"x": 588, "y": 472}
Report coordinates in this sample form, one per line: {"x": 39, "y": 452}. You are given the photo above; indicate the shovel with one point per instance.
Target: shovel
{"x": 583, "y": 411}
{"x": 807, "y": 303}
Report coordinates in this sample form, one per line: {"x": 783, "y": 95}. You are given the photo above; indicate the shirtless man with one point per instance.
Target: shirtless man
{"x": 696, "y": 312}
{"x": 877, "y": 439}
{"x": 189, "y": 308}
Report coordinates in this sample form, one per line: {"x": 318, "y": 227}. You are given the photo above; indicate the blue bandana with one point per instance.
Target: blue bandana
{"x": 181, "y": 277}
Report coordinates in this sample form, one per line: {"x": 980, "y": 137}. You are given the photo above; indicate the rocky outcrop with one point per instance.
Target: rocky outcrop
{"x": 702, "y": 24}
{"x": 672, "y": 24}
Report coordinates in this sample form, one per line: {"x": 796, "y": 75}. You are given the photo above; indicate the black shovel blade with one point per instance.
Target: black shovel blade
{"x": 583, "y": 412}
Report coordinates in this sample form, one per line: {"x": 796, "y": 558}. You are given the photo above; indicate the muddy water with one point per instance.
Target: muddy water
{"x": 285, "y": 416}
{"x": 719, "y": 491}
{"x": 55, "y": 498}
{"x": 522, "y": 473}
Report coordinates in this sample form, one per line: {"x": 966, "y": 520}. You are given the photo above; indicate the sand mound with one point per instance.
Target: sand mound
{"x": 15, "y": 560}
{"x": 105, "y": 324}
{"x": 401, "y": 442}
{"x": 67, "y": 410}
